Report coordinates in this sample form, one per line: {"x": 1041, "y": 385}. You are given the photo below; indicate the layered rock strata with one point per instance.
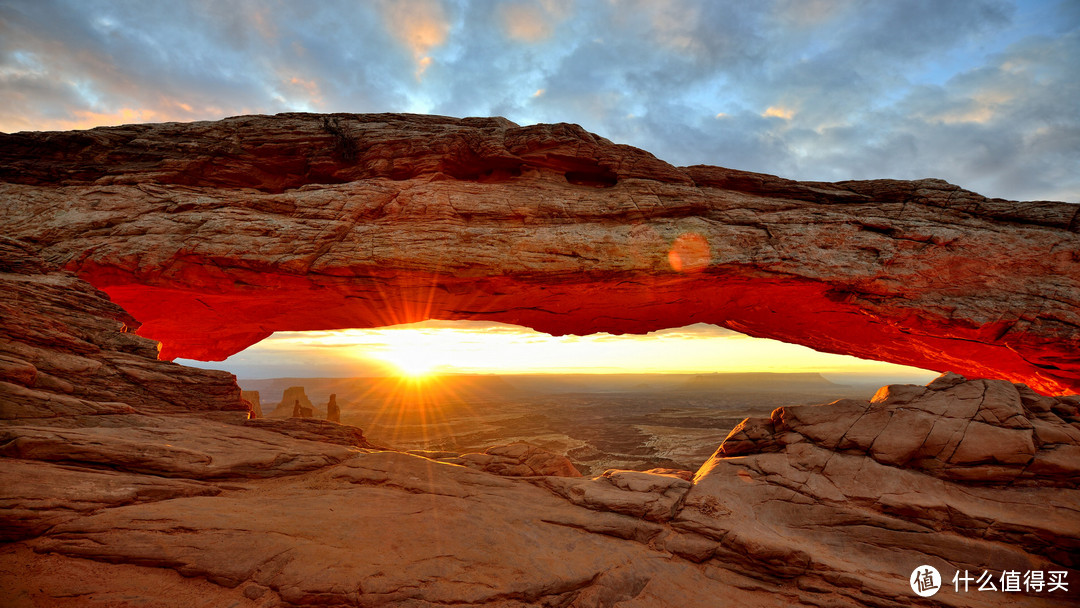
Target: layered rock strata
{"x": 67, "y": 352}
{"x": 134, "y": 481}
{"x": 216, "y": 234}
{"x": 176, "y": 503}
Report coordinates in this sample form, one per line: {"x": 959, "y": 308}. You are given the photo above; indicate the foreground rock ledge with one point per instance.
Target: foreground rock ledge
{"x": 153, "y": 495}
{"x": 216, "y": 234}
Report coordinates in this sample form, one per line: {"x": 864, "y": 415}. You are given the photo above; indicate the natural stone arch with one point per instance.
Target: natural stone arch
{"x": 214, "y": 235}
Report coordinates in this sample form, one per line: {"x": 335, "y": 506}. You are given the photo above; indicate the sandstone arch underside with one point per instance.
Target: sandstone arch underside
{"x": 216, "y": 234}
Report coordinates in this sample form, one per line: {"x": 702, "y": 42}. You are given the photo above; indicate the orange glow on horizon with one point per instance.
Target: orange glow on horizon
{"x": 415, "y": 365}
{"x": 428, "y": 349}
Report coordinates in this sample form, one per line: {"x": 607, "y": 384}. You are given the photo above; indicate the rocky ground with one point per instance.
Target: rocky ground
{"x": 128, "y": 481}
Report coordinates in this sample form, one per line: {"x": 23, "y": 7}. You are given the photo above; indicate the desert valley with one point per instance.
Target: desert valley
{"x": 599, "y": 422}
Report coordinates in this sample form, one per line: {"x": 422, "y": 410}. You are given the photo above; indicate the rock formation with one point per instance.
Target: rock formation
{"x": 252, "y": 397}
{"x": 333, "y": 412}
{"x": 213, "y": 235}
{"x": 172, "y": 497}
{"x": 519, "y": 460}
{"x": 67, "y": 351}
{"x": 823, "y": 491}
{"x": 293, "y": 403}
{"x": 91, "y": 419}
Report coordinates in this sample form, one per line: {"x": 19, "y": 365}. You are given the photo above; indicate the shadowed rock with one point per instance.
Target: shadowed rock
{"x": 333, "y": 412}
{"x": 67, "y": 351}
{"x": 252, "y": 397}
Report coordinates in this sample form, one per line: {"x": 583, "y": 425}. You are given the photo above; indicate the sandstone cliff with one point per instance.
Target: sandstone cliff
{"x": 213, "y": 235}
{"x": 135, "y": 481}
{"x": 67, "y": 351}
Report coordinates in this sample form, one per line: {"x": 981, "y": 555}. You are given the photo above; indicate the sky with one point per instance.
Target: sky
{"x": 981, "y": 93}
{"x": 481, "y": 347}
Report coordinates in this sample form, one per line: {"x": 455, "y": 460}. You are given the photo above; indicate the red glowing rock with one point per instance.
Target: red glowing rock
{"x": 134, "y": 478}
{"x": 215, "y": 235}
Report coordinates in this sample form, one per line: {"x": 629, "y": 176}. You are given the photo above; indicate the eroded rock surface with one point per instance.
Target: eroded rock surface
{"x": 216, "y": 234}
{"x": 519, "y": 460}
{"x": 833, "y": 505}
{"x": 651, "y": 495}
{"x": 984, "y": 430}
{"x": 66, "y": 351}
{"x": 919, "y": 473}
{"x": 784, "y": 518}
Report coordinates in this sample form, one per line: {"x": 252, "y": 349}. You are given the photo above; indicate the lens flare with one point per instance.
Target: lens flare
{"x": 689, "y": 253}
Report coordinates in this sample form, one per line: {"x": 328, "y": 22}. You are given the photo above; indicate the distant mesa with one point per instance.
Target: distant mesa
{"x": 761, "y": 382}
{"x": 300, "y": 412}
{"x": 294, "y": 404}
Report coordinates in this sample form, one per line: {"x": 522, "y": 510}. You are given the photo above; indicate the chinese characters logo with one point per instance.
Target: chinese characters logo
{"x": 925, "y": 581}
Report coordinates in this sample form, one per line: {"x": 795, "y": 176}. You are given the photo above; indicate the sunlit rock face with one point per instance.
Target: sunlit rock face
{"x": 216, "y": 234}
{"x": 134, "y": 481}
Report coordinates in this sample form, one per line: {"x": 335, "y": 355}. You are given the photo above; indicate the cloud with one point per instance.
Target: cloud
{"x": 797, "y": 14}
{"x": 421, "y": 25}
{"x": 63, "y": 61}
{"x": 778, "y": 112}
{"x": 980, "y": 93}
{"x": 532, "y": 22}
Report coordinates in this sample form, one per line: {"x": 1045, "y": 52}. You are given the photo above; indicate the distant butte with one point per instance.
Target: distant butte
{"x": 216, "y": 234}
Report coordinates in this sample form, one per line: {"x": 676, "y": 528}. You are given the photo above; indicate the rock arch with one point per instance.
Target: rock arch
{"x": 216, "y": 234}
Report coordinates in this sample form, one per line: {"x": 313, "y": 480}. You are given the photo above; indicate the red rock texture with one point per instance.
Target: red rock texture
{"x": 66, "y": 352}
{"x": 151, "y": 488}
{"x": 824, "y": 491}
{"x": 215, "y": 234}
{"x": 520, "y": 460}
{"x": 985, "y": 430}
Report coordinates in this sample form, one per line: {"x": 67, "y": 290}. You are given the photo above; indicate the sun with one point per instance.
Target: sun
{"x": 413, "y": 361}
{"x": 414, "y": 368}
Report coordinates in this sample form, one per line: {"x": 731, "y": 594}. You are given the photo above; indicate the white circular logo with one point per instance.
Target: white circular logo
{"x": 925, "y": 581}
